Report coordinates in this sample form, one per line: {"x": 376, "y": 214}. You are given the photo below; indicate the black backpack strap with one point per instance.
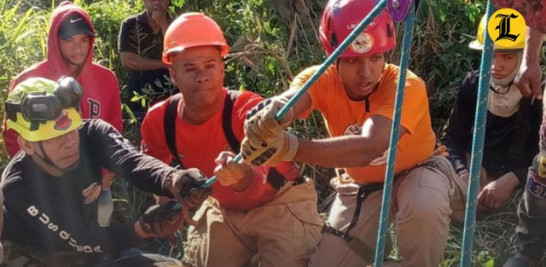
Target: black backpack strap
{"x": 169, "y": 125}
{"x": 233, "y": 142}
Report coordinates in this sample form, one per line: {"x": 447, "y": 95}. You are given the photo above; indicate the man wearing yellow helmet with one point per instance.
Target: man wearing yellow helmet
{"x": 52, "y": 188}
{"x": 511, "y": 138}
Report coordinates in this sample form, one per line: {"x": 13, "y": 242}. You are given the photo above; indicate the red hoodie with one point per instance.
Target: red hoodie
{"x": 101, "y": 97}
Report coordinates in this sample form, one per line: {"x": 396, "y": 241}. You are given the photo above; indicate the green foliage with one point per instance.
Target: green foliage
{"x": 22, "y": 42}
{"x": 440, "y": 53}
{"x": 107, "y": 17}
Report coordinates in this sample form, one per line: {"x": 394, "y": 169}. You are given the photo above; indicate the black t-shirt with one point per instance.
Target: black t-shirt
{"x": 510, "y": 143}
{"x": 53, "y": 214}
{"x": 137, "y": 36}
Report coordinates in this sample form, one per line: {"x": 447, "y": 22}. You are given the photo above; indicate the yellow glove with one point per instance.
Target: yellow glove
{"x": 260, "y": 121}
{"x": 282, "y": 147}
{"x": 265, "y": 141}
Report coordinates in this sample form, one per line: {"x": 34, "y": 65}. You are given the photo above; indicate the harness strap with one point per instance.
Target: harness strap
{"x": 356, "y": 244}
{"x": 277, "y": 180}
{"x": 363, "y": 192}
{"x": 169, "y": 123}
{"x": 233, "y": 142}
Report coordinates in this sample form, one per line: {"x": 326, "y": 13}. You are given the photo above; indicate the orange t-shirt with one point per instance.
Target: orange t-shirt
{"x": 346, "y": 117}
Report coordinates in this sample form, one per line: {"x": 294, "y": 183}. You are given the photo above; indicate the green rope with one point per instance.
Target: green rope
{"x": 477, "y": 145}
{"x": 395, "y": 133}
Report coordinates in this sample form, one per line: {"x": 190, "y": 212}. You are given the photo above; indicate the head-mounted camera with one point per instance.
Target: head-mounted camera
{"x": 39, "y": 107}
{"x": 69, "y": 92}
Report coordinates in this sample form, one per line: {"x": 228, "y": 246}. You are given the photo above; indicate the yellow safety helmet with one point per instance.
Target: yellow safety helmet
{"x": 478, "y": 43}
{"x": 40, "y": 109}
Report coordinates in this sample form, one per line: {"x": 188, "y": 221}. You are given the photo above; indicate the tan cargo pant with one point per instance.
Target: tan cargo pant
{"x": 283, "y": 232}
{"x": 424, "y": 200}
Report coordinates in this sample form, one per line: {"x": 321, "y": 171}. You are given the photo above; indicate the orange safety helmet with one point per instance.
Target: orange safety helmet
{"x": 340, "y": 17}
{"x": 191, "y": 30}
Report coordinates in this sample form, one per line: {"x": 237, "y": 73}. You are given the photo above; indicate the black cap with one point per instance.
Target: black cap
{"x": 72, "y": 25}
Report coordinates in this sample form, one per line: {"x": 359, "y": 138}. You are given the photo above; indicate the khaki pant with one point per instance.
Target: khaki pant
{"x": 423, "y": 202}
{"x": 284, "y": 231}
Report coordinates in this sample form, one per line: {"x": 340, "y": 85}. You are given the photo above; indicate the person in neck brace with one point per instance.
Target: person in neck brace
{"x": 511, "y": 135}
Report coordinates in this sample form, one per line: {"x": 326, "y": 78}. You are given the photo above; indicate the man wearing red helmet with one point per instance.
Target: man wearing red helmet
{"x": 356, "y": 98}
{"x": 255, "y": 210}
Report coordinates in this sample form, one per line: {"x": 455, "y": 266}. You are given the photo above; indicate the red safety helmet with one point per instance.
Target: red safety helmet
{"x": 340, "y": 17}
{"x": 191, "y": 30}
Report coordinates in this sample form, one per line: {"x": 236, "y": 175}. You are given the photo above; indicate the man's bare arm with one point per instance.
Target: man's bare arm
{"x": 348, "y": 151}
{"x": 530, "y": 74}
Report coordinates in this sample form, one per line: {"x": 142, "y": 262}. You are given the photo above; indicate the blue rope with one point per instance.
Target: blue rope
{"x": 395, "y": 133}
{"x": 477, "y": 145}
{"x": 331, "y": 59}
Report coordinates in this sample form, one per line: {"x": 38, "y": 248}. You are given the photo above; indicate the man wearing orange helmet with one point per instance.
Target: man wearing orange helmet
{"x": 254, "y": 210}
{"x": 356, "y": 97}
{"x": 511, "y": 136}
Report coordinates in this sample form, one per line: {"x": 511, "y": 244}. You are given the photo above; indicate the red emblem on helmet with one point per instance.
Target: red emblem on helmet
{"x": 340, "y": 17}
{"x": 63, "y": 121}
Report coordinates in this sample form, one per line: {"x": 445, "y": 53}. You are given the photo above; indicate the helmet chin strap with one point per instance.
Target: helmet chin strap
{"x": 50, "y": 163}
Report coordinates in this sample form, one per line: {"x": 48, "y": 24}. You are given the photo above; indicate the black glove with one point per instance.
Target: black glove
{"x": 162, "y": 220}
{"x": 187, "y": 185}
